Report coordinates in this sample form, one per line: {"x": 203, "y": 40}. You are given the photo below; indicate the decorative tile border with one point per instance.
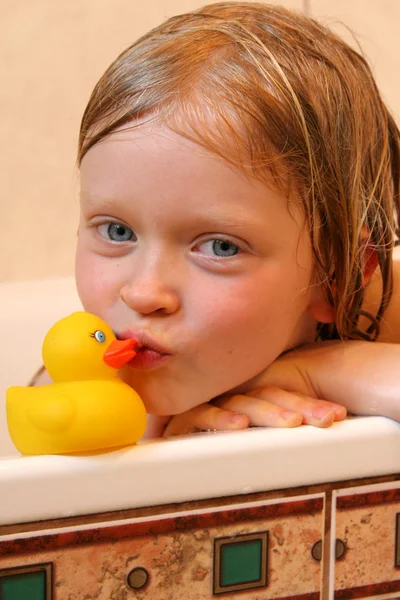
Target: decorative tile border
{"x": 355, "y": 500}
{"x": 162, "y": 524}
{"x": 367, "y": 591}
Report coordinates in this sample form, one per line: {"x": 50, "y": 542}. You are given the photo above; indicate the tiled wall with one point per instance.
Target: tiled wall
{"x": 182, "y": 555}
{"x": 328, "y": 542}
{"x": 52, "y": 54}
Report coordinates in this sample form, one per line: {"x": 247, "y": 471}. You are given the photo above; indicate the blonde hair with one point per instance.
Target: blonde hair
{"x": 278, "y": 93}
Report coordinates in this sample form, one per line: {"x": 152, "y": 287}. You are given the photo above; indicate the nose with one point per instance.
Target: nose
{"x": 146, "y": 295}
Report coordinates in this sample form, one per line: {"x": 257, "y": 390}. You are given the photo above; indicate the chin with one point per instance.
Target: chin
{"x": 164, "y": 409}
{"x": 154, "y": 408}
{"x": 161, "y": 399}
{"x": 167, "y": 404}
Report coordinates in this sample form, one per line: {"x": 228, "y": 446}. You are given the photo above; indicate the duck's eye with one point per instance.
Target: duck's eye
{"x": 99, "y": 336}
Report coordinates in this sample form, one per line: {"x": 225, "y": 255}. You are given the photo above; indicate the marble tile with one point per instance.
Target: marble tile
{"x": 367, "y": 525}
{"x": 178, "y": 554}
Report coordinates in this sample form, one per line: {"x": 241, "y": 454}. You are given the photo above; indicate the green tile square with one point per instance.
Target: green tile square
{"x": 241, "y": 562}
{"x": 24, "y": 586}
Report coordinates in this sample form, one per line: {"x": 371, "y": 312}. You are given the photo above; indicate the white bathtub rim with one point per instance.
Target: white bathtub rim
{"x": 195, "y": 467}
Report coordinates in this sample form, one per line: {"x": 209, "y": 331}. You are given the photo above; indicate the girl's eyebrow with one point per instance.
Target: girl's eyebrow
{"x": 97, "y": 200}
{"x": 89, "y": 198}
{"x": 215, "y": 216}
{"x": 224, "y": 221}
{"x": 213, "y": 221}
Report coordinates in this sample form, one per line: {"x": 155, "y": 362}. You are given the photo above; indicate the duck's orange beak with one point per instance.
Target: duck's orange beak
{"x": 119, "y": 353}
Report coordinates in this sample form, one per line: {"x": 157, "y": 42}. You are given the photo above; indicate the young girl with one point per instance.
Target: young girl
{"x": 239, "y": 210}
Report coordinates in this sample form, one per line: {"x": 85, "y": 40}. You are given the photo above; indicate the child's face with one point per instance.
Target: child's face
{"x": 207, "y": 268}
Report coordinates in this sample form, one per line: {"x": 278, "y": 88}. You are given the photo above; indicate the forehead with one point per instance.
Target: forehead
{"x": 152, "y": 164}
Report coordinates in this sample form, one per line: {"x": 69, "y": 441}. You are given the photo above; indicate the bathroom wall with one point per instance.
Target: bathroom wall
{"x": 376, "y": 26}
{"x": 52, "y": 55}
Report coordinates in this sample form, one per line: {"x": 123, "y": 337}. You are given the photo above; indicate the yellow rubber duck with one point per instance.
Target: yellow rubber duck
{"x": 87, "y": 407}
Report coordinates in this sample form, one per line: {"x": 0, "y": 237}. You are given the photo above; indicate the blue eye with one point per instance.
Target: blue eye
{"x": 99, "y": 336}
{"x": 117, "y": 232}
{"x": 220, "y": 248}
{"x": 224, "y": 248}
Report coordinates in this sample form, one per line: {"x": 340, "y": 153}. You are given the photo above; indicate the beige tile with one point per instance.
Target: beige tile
{"x": 180, "y": 562}
{"x": 369, "y": 536}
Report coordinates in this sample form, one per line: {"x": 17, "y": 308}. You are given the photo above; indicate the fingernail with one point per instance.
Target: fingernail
{"x": 291, "y": 419}
{"x": 340, "y": 412}
{"x": 326, "y": 419}
{"x": 237, "y": 419}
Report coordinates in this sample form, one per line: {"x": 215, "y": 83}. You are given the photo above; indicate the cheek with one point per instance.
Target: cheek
{"x": 86, "y": 282}
{"x": 93, "y": 282}
{"x": 266, "y": 293}
{"x": 226, "y": 316}
{"x": 250, "y": 315}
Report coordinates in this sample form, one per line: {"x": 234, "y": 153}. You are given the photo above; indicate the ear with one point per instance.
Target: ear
{"x": 321, "y": 309}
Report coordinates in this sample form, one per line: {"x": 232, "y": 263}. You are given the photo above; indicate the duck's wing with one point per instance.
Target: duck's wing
{"x": 47, "y": 408}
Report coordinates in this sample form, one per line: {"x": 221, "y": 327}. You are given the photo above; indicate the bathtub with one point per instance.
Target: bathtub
{"x": 198, "y": 466}
{"x": 130, "y": 517}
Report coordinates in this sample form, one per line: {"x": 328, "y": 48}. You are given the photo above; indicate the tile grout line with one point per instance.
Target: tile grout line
{"x": 326, "y": 547}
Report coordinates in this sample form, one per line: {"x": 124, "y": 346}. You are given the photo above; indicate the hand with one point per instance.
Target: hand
{"x": 285, "y": 395}
{"x": 266, "y": 406}
{"x": 314, "y": 384}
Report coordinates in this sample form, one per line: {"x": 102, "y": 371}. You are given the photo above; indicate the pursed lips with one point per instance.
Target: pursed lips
{"x": 144, "y": 342}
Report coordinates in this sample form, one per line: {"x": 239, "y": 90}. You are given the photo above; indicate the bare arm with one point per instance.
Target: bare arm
{"x": 362, "y": 376}
{"x": 365, "y": 376}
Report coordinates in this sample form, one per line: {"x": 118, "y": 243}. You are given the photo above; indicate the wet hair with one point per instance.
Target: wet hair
{"x": 278, "y": 94}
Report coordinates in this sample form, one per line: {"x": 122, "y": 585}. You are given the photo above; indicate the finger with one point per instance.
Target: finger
{"x": 204, "y": 417}
{"x": 340, "y": 412}
{"x": 279, "y": 408}
{"x": 309, "y": 406}
{"x": 262, "y": 412}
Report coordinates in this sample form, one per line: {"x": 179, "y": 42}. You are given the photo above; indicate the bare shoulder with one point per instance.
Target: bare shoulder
{"x": 390, "y": 324}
